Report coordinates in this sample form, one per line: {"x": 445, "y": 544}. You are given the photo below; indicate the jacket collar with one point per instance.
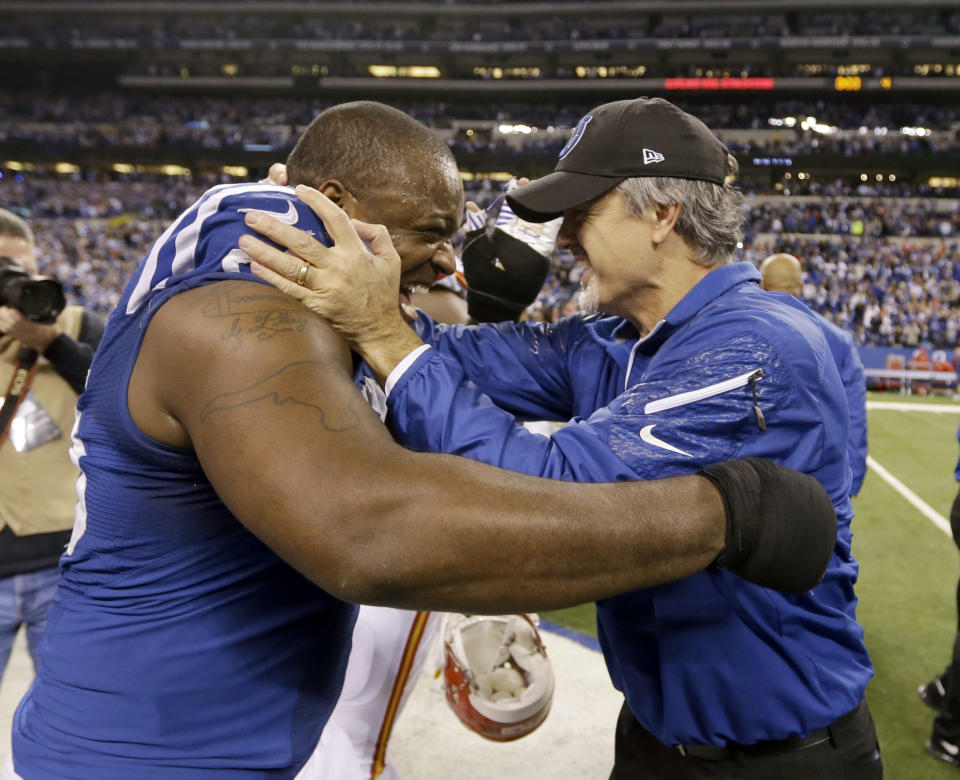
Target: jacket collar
{"x": 710, "y": 287}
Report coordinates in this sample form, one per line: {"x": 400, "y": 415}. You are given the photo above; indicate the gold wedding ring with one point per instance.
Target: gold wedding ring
{"x": 302, "y": 276}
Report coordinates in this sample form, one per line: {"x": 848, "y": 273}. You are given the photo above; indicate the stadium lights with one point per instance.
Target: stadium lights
{"x": 404, "y": 71}
{"x": 609, "y": 71}
{"x": 309, "y": 70}
{"x": 915, "y": 131}
{"x": 123, "y": 168}
{"x": 513, "y": 129}
{"x": 238, "y": 171}
{"x": 943, "y": 181}
{"x": 174, "y": 170}
{"x": 811, "y": 123}
{"x": 65, "y": 167}
{"x": 495, "y": 175}
{"x": 14, "y": 166}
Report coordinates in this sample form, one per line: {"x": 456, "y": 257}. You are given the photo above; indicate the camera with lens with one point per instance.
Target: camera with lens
{"x": 38, "y": 298}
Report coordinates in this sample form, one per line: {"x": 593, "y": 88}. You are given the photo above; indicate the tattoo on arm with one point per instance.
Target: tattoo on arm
{"x": 295, "y": 383}
{"x": 231, "y": 303}
{"x": 264, "y": 315}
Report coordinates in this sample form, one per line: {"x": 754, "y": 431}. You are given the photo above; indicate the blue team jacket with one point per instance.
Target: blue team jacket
{"x": 710, "y": 658}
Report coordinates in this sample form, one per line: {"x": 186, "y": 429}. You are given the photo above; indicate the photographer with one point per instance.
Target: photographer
{"x": 37, "y": 492}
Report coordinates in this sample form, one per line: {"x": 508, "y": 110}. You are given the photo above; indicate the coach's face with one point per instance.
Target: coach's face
{"x": 613, "y": 248}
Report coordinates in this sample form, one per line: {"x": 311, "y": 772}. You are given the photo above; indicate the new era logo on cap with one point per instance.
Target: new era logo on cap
{"x": 650, "y": 156}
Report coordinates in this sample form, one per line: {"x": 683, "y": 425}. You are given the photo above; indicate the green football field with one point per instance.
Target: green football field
{"x": 908, "y": 573}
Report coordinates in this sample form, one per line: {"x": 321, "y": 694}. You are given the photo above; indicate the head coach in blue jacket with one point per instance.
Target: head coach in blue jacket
{"x": 684, "y": 362}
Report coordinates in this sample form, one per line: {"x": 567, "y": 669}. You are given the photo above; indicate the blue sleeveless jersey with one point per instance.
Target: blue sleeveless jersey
{"x": 178, "y": 645}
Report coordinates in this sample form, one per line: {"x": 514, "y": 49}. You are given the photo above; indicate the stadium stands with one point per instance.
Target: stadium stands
{"x": 844, "y": 120}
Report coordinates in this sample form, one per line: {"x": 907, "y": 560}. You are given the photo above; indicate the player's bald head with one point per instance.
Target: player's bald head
{"x": 782, "y": 273}
{"x": 372, "y": 149}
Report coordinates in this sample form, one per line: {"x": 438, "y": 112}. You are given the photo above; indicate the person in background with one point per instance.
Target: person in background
{"x": 942, "y": 693}
{"x": 782, "y": 273}
{"x": 37, "y": 478}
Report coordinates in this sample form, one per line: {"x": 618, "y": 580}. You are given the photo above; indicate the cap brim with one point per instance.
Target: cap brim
{"x": 547, "y": 198}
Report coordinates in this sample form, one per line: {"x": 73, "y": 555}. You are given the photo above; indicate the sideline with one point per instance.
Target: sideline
{"x": 912, "y": 498}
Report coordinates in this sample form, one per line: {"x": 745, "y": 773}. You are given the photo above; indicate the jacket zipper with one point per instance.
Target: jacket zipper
{"x": 692, "y": 396}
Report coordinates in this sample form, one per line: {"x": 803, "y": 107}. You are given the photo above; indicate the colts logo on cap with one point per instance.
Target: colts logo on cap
{"x": 650, "y": 156}
{"x": 577, "y": 135}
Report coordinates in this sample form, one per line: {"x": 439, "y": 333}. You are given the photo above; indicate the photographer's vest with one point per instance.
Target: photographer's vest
{"x": 38, "y": 482}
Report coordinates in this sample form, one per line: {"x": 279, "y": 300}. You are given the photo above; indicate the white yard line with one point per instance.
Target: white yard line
{"x": 902, "y": 406}
{"x": 912, "y": 498}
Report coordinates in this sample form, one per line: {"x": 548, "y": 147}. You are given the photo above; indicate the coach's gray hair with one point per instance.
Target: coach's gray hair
{"x": 711, "y": 220}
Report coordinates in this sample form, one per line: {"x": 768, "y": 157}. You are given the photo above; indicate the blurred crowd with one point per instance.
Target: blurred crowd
{"x": 116, "y": 108}
{"x": 856, "y": 217}
{"x": 170, "y": 29}
{"x": 884, "y": 289}
{"x": 31, "y": 120}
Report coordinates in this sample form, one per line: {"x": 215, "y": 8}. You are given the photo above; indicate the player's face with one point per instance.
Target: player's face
{"x": 421, "y": 220}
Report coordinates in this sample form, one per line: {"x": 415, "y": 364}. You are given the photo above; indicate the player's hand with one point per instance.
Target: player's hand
{"x": 29, "y": 333}
{"x": 505, "y": 259}
{"x": 354, "y": 284}
{"x": 276, "y": 175}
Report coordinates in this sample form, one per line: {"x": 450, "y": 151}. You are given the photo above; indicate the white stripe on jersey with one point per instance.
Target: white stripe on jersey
{"x": 77, "y": 451}
{"x": 185, "y": 243}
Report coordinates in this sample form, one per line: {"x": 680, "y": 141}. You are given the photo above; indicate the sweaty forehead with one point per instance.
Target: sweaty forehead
{"x": 434, "y": 192}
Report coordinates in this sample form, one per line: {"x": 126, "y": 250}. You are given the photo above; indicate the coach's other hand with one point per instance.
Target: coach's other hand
{"x": 781, "y": 525}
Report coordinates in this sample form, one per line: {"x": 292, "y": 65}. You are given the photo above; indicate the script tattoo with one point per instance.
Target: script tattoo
{"x": 272, "y": 314}
{"x": 271, "y": 323}
{"x": 276, "y": 389}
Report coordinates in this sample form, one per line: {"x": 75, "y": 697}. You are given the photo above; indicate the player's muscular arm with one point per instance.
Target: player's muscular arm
{"x": 261, "y": 389}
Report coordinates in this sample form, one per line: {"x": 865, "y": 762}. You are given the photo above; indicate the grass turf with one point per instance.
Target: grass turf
{"x": 908, "y": 579}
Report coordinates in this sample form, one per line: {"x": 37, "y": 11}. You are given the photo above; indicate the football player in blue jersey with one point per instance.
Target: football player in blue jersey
{"x": 237, "y": 491}
{"x": 696, "y": 364}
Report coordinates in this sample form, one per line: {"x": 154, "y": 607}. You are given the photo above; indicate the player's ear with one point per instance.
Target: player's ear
{"x": 337, "y": 191}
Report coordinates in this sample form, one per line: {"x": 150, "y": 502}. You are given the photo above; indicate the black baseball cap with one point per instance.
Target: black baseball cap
{"x": 618, "y": 141}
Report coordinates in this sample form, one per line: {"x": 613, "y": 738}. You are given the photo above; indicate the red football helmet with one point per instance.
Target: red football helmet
{"x": 496, "y": 676}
